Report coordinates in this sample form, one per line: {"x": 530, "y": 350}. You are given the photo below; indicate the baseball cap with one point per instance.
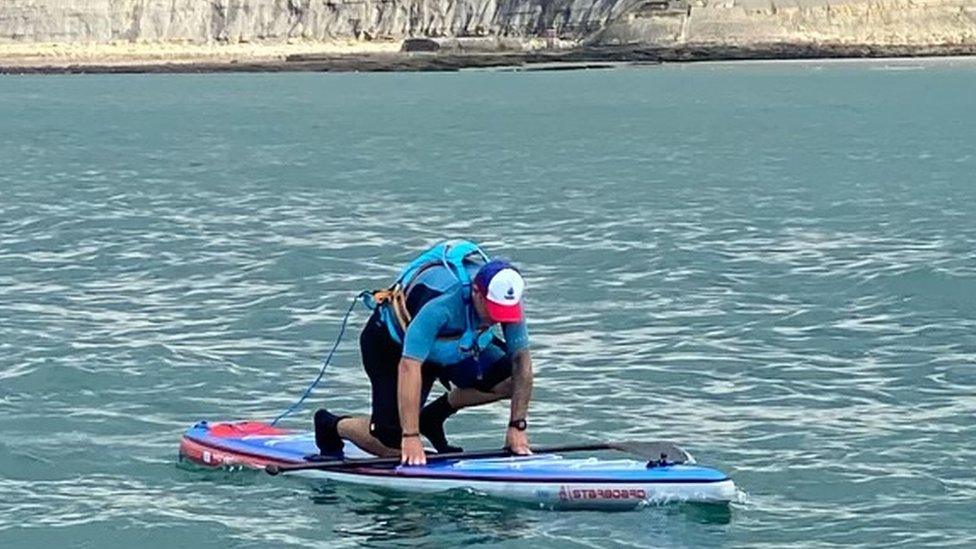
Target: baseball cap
{"x": 502, "y": 286}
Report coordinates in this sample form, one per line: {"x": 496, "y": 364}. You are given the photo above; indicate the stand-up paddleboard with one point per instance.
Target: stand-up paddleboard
{"x": 545, "y": 478}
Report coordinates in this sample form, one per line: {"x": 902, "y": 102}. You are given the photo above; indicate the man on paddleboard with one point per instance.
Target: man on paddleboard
{"x": 436, "y": 322}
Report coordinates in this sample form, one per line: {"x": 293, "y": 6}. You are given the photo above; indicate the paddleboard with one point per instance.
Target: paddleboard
{"x": 549, "y": 480}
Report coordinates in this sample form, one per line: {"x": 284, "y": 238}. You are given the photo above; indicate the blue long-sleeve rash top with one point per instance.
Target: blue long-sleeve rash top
{"x": 433, "y": 333}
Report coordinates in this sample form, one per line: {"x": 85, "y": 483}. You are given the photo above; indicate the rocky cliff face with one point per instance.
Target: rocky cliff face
{"x": 595, "y": 21}
{"x": 201, "y": 21}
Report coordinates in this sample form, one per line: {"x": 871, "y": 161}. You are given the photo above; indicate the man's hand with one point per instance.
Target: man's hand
{"x": 517, "y": 441}
{"x": 412, "y": 451}
{"x": 408, "y": 402}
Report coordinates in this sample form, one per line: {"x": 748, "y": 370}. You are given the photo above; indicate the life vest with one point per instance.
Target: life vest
{"x": 438, "y": 270}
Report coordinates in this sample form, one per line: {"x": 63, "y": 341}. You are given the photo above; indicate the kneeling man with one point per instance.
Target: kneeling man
{"x": 437, "y": 322}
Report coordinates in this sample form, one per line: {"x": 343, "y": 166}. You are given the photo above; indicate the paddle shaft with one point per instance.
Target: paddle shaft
{"x": 478, "y": 454}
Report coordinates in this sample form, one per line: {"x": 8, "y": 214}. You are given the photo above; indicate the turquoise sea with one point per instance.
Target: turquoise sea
{"x": 772, "y": 264}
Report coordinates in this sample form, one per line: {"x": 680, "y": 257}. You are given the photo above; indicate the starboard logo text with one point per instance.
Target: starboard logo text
{"x": 569, "y": 493}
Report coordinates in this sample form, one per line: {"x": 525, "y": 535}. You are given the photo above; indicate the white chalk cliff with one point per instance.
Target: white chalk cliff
{"x": 734, "y": 22}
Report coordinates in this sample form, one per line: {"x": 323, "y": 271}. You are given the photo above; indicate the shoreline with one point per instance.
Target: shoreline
{"x": 386, "y": 56}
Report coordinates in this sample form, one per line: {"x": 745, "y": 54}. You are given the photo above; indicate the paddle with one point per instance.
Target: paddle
{"x": 657, "y": 452}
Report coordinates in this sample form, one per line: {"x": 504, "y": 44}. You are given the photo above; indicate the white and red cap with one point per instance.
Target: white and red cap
{"x": 502, "y": 285}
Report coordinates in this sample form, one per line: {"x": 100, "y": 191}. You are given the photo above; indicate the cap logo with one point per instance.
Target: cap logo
{"x": 505, "y": 287}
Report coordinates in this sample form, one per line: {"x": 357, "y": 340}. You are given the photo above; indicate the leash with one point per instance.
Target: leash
{"x": 328, "y": 359}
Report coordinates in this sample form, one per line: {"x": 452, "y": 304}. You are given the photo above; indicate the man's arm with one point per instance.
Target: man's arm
{"x": 517, "y": 440}
{"x": 408, "y": 401}
{"x": 521, "y": 384}
{"x": 417, "y": 343}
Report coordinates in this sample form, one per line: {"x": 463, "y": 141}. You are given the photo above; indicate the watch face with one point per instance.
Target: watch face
{"x": 519, "y": 424}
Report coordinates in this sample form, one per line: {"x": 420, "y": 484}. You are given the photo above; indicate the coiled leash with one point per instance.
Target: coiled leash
{"x": 328, "y": 359}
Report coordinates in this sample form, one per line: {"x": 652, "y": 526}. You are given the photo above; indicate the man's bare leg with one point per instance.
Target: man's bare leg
{"x": 465, "y": 398}
{"x": 356, "y": 430}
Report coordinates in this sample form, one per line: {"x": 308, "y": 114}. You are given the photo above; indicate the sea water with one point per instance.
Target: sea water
{"x": 771, "y": 264}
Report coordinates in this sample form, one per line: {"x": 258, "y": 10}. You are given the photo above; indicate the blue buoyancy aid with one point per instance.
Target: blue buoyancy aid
{"x": 447, "y": 266}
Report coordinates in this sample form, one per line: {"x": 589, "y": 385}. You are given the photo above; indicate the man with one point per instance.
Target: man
{"x": 436, "y": 323}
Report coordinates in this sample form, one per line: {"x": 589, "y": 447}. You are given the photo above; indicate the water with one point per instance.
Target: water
{"x": 772, "y": 264}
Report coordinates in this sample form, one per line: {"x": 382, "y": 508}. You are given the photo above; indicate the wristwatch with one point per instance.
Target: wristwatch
{"x": 519, "y": 424}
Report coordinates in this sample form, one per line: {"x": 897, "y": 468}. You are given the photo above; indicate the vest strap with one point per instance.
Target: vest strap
{"x": 396, "y": 299}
